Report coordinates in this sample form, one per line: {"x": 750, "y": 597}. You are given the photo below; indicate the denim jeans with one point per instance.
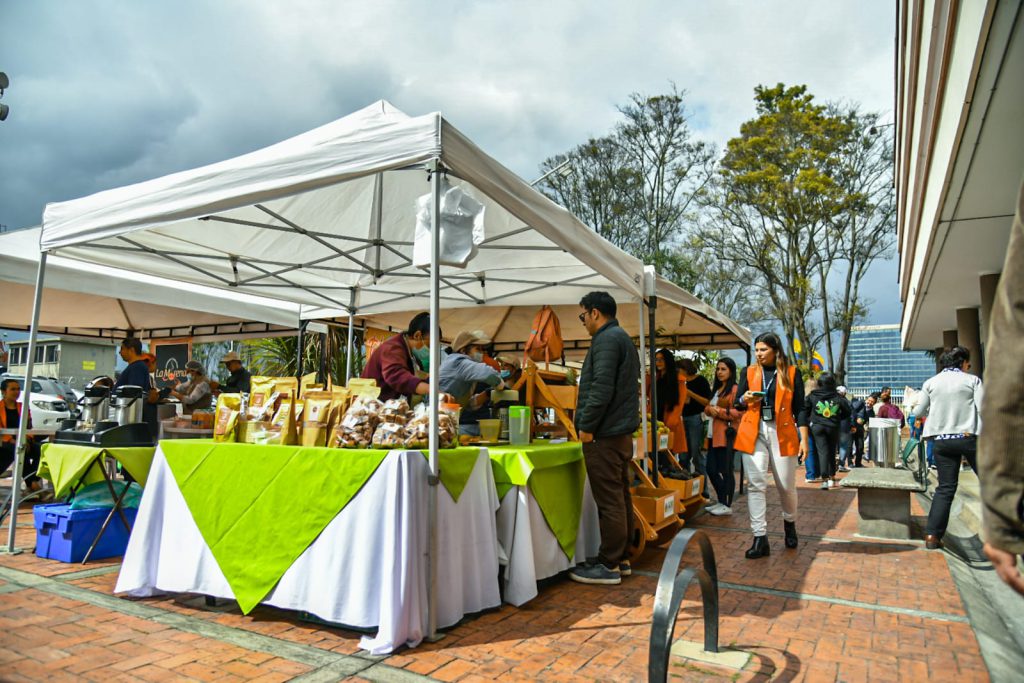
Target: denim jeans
{"x": 811, "y": 462}
{"x": 720, "y": 472}
{"x": 948, "y": 455}
{"x": 694, "y": 426}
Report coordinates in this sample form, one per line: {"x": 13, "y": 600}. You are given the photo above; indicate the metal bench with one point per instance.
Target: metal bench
{"x": 883, "y": 494}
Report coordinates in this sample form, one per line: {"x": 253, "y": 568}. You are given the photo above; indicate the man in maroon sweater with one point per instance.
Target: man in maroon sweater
{"x": 392, "y": 364}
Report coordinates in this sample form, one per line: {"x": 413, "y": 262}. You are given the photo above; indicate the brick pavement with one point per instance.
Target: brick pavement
{"x": 837, "y": 609}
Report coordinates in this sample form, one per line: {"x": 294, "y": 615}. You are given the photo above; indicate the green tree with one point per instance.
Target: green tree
{"x": 775, "y": 195}
{"x": 639, "y": 186}
{"x": 864, "y": 232}
{"x": 277, "y": 356}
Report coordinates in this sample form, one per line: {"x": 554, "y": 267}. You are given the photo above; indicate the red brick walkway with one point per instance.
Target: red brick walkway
{"x": 837, "y": 609}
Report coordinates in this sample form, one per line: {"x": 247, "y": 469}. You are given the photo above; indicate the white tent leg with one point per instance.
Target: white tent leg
{"x": 643, "y": 384}
{"x": 434, "y": 381}
{"x": 26, "y": 401}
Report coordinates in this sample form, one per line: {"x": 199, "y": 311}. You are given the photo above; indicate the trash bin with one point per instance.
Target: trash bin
{"x": 884, "y": 441}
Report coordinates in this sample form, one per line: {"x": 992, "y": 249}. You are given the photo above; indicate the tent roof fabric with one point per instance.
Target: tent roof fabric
{"x": 326, "y": 220}
{"x": 95, "y": 300}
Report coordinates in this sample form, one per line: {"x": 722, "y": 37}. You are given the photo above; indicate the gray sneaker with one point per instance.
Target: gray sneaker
{"x": 597, "y": 574}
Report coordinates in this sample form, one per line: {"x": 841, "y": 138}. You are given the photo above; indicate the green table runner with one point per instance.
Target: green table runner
{"x": 67, "y": 464}
{"x": 555, "y": 475}
{"x": 259, "y": 507}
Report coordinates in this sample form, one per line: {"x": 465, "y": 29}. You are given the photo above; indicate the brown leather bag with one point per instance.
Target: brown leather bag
{"x": 545, "y": 342}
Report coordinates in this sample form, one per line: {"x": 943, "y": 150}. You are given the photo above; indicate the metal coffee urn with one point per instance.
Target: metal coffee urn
{"x": 127, "y": 404}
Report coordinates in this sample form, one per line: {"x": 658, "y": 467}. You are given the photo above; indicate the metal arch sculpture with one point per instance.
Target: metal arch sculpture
{"x": 669, "y": 596}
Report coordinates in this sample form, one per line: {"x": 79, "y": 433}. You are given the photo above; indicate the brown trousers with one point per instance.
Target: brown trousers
{"x": 607, "y": 461}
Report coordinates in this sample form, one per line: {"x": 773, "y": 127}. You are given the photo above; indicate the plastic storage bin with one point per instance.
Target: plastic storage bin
{"x": 65, "y": 535}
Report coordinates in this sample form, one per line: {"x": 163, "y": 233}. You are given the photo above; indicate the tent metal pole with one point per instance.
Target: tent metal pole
{"x": 434, "y": 397}
{"x": 21, "y": 445}
{"x": 324, "y": 351}
{"x": 351, "y": 336}
{"x": 643, "y": 381}
{"x": 652, "y": 330}
{"x": 298, "y": 353}
{"x": 652, "y": 350}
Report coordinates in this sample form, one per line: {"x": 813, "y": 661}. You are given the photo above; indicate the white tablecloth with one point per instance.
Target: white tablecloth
{"x": 533, "y": 551}
{"x": 366, "y": 569}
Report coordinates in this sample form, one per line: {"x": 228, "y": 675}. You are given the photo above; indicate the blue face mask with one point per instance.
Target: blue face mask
{"x": 423, "y": 356}
{"x": 505, "y": 374}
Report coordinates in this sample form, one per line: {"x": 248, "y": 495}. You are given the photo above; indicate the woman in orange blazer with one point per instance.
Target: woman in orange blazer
{"x": 772, "y": 432}
{"x": 671, "y": 389}
{"x": 724, "y": 418}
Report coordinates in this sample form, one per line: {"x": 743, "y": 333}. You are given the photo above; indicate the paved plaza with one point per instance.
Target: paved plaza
{"x": 840, "y": 608}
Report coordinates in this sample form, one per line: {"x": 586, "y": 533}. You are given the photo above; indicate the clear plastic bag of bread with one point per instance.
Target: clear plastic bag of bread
{"x": 389, "y": 435}
{"x": 356, "y": 429}
{"x": 418, "y": 429}
{"x": 395, "y": 411}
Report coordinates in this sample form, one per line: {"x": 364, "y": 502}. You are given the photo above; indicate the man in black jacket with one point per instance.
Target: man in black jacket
{"x": 607, "y": 414}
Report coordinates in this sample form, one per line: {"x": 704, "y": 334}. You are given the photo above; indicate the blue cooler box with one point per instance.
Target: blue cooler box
{"x": 65, "y": 535}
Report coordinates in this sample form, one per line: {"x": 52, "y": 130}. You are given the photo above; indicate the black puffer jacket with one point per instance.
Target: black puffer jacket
{"x": 609, "y": 401}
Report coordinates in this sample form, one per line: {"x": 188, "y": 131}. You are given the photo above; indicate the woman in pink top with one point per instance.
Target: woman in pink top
{"x": 724, "y": 418}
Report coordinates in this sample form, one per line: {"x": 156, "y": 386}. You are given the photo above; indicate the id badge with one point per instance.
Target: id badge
{"x": 767, "y": 412}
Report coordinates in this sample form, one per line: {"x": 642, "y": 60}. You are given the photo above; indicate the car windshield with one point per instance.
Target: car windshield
{"x": 37, "y": 388}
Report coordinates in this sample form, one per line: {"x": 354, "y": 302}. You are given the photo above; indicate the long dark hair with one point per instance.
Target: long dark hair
{"x": 772, "y": 341}
{"x": 668, "y": 384}
{"x": 720, "y": 388}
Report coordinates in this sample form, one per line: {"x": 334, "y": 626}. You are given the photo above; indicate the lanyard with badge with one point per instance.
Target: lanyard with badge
{"x": 767, "y": 410}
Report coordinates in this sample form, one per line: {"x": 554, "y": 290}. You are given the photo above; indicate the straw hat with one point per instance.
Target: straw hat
{"x": 468, "y": 338}
{"x": 230, "y": 356}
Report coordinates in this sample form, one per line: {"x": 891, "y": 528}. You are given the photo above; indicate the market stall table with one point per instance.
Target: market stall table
{"x": 547, "y": 522}
{"x": 340, "y": 534}
{"x": 69, "y": 466}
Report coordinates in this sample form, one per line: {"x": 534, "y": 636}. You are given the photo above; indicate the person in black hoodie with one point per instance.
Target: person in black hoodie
{"x": 826, "y": 411}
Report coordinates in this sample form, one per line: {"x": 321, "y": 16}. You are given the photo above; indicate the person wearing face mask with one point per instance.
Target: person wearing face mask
{"x": 466, "y": 377}
{"x": 195, "y": 393}
{"x": 400, "y": 364}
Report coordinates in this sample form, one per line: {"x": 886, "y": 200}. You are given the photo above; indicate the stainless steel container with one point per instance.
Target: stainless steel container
{"x": 127, "y": 404}
{"x": 95, "y": 404}
{"x": 884, "y": 441}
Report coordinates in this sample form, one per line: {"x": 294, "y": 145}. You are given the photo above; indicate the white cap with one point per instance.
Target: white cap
{"x": 841, "y": 389}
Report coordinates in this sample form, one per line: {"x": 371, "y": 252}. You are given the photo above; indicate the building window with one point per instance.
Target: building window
{"x": 39, "y": 354}
{"x": 52, "y": 353}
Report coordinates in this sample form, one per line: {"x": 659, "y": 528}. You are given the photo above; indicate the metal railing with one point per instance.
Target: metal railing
{"x": 672, "y": 585}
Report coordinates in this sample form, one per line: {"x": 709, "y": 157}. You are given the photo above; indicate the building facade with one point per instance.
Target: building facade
{"x": 959, "y": 163}
{"x": 875, "y": 358}
{"x": 71, "y": 360}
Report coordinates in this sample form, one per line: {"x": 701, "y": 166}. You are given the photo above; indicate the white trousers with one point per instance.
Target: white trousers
{"x": 767, "y": 451}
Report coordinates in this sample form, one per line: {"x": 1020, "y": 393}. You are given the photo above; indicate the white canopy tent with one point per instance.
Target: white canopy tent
{"x": 684, "y": 322}
{"x": 326, "y": 219}
{"x": 98, "y": 301}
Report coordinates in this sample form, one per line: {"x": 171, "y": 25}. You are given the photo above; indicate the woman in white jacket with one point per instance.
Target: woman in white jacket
{"x": 951, "y": 400}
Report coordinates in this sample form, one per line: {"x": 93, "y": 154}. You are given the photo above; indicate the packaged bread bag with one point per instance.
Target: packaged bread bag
{"x": 286, "y": 420}
{"x": 225, "y": 420}
{"x": 316, "y": 417}
{"x": 357, "y": 427}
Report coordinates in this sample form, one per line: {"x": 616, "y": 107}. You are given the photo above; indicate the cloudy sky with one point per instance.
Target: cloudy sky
{"x": 108, "y": 93}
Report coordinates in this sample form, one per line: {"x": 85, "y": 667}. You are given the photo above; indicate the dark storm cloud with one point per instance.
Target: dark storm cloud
{"x": 110, "y": 93}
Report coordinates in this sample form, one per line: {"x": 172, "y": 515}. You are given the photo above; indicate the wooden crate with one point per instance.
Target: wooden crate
{"x": 654, "y": 505}
{"x": 565, "y": 397}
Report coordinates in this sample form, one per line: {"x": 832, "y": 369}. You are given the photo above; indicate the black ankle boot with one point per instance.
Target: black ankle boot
{"x": 791, "y": 539}
{"x": 760, "y": 548}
